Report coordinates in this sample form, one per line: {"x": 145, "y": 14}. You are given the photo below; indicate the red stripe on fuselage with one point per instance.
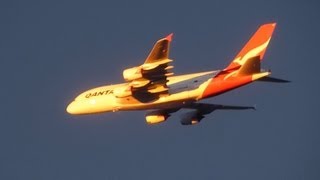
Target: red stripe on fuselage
{"x": 219, "y": 85}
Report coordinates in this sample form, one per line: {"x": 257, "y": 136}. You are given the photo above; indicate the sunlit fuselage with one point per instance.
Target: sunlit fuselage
{"x": 182, "y": 89}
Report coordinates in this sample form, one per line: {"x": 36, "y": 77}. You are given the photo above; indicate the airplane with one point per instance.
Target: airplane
{"x": 153, "y": 87}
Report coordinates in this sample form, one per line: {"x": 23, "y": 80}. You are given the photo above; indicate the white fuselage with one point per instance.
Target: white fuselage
{"x": 182, "y": 89}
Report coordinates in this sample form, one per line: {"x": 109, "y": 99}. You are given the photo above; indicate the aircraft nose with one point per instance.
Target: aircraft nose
{"x": 71, "y": 108}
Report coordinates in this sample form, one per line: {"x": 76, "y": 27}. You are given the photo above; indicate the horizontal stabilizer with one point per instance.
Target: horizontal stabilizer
{"x": 272, "y": 79}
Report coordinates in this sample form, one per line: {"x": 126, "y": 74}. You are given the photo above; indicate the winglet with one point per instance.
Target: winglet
{"x": 160, "y": 50}
{"x": 169, "y": 37}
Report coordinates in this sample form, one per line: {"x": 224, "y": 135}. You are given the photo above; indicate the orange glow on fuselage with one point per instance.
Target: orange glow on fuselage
{"x": 151, "y": 86}
{"x": 220, "y": 85}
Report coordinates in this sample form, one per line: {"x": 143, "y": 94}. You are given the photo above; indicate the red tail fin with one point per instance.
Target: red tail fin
{"x": 256, "y": 46}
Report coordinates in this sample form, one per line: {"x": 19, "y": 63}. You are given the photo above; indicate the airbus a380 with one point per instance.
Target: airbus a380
{"x": 152, "y": 86}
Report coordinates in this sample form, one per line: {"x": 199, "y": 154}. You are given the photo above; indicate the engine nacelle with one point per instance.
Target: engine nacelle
{"x": 191, "y": 118}
{"x": 122, "y": 92}
{"x": 156, "y": 117}
{"x": 132, "y": 73}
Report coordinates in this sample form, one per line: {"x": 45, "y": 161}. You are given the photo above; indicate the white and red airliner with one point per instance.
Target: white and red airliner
{"x": 152, "y": 86}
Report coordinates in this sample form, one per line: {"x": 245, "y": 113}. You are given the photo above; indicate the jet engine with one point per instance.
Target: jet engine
{"x": 132, "y": 73}
{"x": 156, "y": 117}
{"x": 191, "y": 118}
{"x": 121, "y": 92}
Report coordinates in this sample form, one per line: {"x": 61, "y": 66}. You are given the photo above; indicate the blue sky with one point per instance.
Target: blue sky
{"x": 53, "y": 50}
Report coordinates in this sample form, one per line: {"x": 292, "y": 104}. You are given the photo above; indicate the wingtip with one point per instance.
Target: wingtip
{"x": 169, "y": 37}
{"x": 254, "y": 107}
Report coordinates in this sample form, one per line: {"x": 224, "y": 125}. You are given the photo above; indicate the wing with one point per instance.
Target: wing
{"x": 154, "y": 71}
{"x": 201, "y": 109}
{"x": 205, "y": 108}
{"x": 193, "y": 117}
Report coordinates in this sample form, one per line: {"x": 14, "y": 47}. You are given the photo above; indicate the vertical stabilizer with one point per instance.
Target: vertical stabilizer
{"x": 255, "y": 47}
